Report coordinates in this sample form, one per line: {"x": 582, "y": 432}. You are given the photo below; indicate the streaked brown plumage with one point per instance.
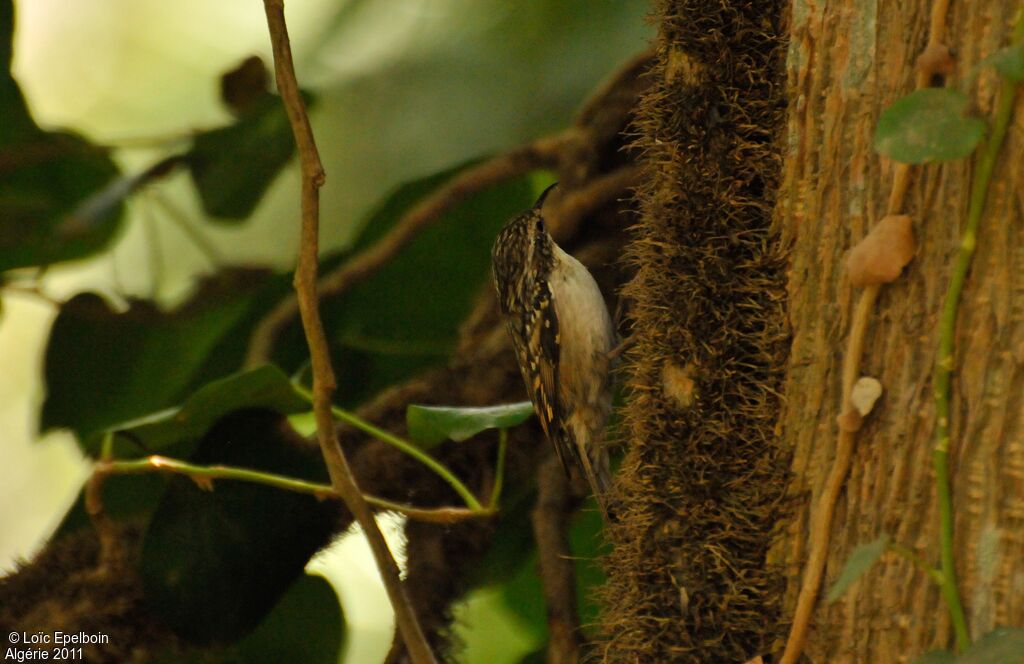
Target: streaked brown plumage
{"x": 563, "y": 337}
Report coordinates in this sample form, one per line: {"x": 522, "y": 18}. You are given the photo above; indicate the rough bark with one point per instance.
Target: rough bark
{"x": 847, "y": 61}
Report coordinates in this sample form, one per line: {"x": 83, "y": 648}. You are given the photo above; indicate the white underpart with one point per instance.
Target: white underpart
{"x": 586, "y": 338}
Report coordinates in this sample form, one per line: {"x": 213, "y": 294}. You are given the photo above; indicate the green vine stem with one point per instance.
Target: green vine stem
{"x": 405, "y": 446}
{"x": 917, "y": 561}
{"x": 947, "y": 333}
{"x": 204, "y": 476}
{"x": 499, "y": 468}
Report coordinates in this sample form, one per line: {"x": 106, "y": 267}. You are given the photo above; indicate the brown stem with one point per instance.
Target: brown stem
{"x": 323, "y": 375}
{"x": 571, "y": 208}
{"x": 523, "y": 159}
{"x": 106, "y": 534}
{"x": 558, "y": 579}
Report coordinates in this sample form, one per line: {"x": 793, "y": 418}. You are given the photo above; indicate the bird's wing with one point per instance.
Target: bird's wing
{"x": 537, "y": 345}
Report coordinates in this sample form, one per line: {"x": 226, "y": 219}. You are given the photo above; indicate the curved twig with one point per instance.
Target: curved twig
{"x": 538, "y": 154}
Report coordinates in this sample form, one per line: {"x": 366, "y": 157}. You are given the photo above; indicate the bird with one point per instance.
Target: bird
{"x": 563, "y": 338}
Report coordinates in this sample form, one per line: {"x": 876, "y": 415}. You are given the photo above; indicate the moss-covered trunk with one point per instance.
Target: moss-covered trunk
{"x": 703, "y": 477}
{"x": 748, "y": 209}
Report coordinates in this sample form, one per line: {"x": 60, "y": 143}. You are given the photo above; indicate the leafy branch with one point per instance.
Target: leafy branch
{"x": 456, "y": 423}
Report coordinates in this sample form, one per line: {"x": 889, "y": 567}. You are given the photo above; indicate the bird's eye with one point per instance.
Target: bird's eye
{"x": 540, "y": 226}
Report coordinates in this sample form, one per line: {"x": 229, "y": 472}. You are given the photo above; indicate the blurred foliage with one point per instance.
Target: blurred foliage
{"x": 261, "y": 139}
{"x": 1008, "y": 61}
{"x": 522, "y": 591}
{"x": 264, "y": 387}
{"x": 214, "y": 562}
{"x": 453, "y": 83}
{"x": 104, "y": 367}
{"x": 44, "y": 179}
{"x": 860, "y": 560}
{"x": 1003, "y": 645}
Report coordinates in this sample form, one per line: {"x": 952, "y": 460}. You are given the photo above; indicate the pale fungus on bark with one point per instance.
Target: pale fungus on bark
{"x": 936, "y": 58}
{"x": 881, "y": 256}
{"x": 865, "y": 393}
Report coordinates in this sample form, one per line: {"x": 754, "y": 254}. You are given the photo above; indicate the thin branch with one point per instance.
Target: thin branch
{"x": 408, "y": 448}
{"x": 323, "y": 375}
{"x": 443, "y": 515}
{"x": 106, "y": 534}
{"x": 540, "y": 153}
{"x": 917, "y": 561}
{"x": 558, "y": 579}
{"x": 499, "y": 469}
{"x": 33, "y": 290}
{"x": 821, "y": 527}
{"x": 178, "y": 217}
{"x": 205, "y": 475}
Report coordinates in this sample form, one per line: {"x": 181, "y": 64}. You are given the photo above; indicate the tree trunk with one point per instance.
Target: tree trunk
{"x": 715, "y": 458}
{"x": 845, "y": 65}
{"x": 700, "y": 491}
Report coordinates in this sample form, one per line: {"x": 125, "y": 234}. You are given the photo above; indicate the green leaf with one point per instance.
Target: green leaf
{"x": 1008, "y": 61}
{"x": 306, "y": 626}
{"x": 104, "y": 366}
{"x": 232, "y": 166}
{"x": 928, "y": 125}
{"x": 49, "y": 181}
{"x": 55, "y": 202}
{"x": 431, "y": 425}
{"x": 1004, "y": 645}
{"x": 264, "y": 387}
{"x": 860, "y": 560}
{"x": 214, "y": 563}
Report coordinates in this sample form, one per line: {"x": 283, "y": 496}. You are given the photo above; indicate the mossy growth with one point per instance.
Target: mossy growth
{"x": 702, "y": 484}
